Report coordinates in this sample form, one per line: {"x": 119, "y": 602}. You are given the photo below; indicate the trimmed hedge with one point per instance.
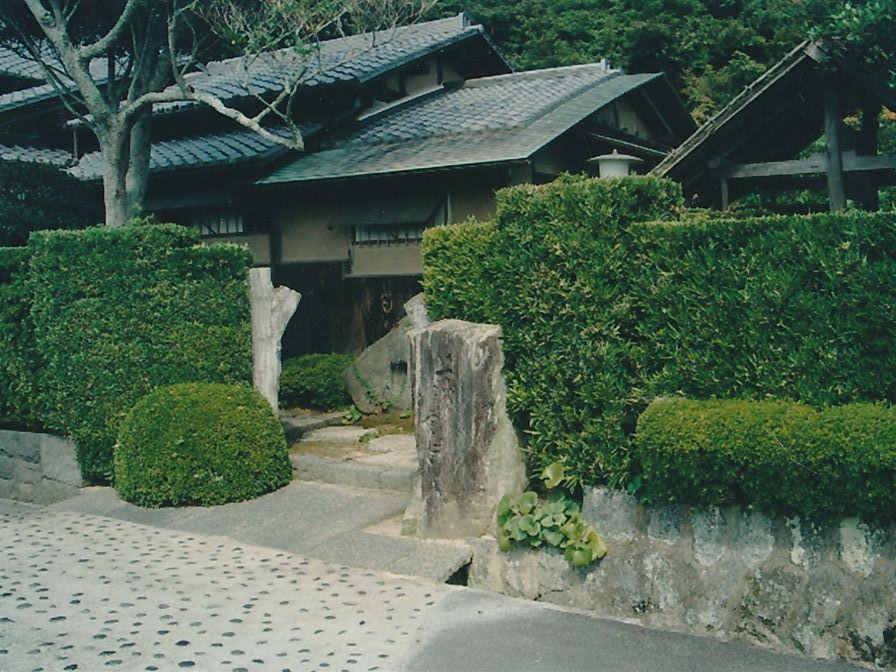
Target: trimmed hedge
{"x": 603, "y": 312}
{"x": 315, "y": 381}
{"x": 119, "y": 312}
{"x": 795, "y": 307}
{"x": 551, "y": 270}
{"x": 200, "y": 443}
{"x": 18, "y": 358}
{"x": 781, "y": 457}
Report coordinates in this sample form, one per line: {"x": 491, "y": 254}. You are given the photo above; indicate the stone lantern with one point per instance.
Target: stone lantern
{"x": 614, "y": 165}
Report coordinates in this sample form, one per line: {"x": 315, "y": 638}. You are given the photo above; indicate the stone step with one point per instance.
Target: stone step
{"x": 384, "y": 463}
{"x": 297, "y": 424}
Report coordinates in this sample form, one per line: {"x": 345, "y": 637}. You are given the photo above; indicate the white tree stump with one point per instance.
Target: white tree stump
{"x": 271, "y": 311}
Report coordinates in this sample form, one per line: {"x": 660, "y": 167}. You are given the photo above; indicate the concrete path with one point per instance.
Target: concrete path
{"x": 81, "y": 591}
{"x": 349, "y": 526}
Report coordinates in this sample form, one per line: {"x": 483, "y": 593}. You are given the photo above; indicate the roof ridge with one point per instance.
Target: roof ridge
{"x": 523, "y": 75}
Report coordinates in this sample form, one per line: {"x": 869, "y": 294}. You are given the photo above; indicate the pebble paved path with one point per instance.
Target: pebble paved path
{"x": 81, "y": 592}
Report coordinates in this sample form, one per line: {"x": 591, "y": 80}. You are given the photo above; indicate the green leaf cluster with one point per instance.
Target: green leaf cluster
{"x": 555, "y": 522}
{"x": 315, "y": 381}
{"x": 200, "y": 443}
{"x": 36, "y": 197}
{"x": 778, "y": 456}
{"x": 603, "y": 311}
{"x": 98, "y": 318}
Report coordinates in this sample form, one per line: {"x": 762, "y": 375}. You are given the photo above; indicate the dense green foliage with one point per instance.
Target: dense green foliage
{"x": 601, "y": 314}
{"x": 119, "y": 312}
{"x": 18, "y": 364}
{"x": 34, "y": 197}
{"x": 315, "y": 381}
{"x": 200, "y": 443}
{"x": 711, "y": 49}
{"x": 781, "y": 457}
{"x": 797, "y": 307}
{"x": 552, "y": 274}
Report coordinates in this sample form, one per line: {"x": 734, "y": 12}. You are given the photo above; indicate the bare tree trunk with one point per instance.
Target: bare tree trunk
{"x": 116, "y": 155}
{"x": 137, "y": 179}
{"x": 272, "y": 309}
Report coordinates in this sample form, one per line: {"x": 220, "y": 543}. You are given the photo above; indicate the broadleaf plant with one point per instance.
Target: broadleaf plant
{"x": 555, "y": 522}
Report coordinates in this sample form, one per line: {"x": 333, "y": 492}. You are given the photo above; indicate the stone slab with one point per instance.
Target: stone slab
{"x": 354, "y": 473}
{"x": 378, "y": 378}
{"x": 23, "y": 445}
{"x": 347, "y": 434}
{"x": 59, "y": 461}
{"x": 393, "y": 443}
{"x": 297, "y": 425}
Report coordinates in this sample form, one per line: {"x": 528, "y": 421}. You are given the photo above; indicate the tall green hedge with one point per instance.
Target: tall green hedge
{"x": 18, "y": 358}
{"x": 796, "y": 307}
{"x": 119, "y": 312}
{"x": 603, "y": 312}
{"x": 551, "y": 270}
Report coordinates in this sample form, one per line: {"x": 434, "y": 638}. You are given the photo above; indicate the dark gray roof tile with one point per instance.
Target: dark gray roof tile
{"x": 488, "y": 120}
{"x": 55, "y": 157}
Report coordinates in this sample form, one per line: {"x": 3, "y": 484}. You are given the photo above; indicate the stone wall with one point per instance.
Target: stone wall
{"x": 38, "y": 468}
{"x": 828, "y": 592}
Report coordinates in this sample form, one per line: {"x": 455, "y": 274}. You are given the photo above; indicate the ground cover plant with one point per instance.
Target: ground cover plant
{"x": 603, "y": 310}
{"x": 200, "y": 443}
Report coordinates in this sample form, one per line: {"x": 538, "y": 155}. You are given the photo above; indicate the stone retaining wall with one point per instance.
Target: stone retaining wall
{"x": 829, "y": 592}
{"x": 38, "y": 468}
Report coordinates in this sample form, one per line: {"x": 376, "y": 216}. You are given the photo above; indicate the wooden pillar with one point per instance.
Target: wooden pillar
{"x": 836, "y": 190}
{"x": 868, "y": 193}
{"x": 726, "y": 198}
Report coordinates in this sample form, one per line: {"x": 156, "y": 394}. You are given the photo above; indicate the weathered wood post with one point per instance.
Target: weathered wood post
{"x": 271, "y": 311}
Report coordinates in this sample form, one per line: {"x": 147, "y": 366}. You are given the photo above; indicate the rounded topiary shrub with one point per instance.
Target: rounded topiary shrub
{"x": 315, "y": 381}
{"x": 200, "y": 443}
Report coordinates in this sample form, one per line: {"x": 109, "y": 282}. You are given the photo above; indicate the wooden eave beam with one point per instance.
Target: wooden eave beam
{"x": 814, "y": 165}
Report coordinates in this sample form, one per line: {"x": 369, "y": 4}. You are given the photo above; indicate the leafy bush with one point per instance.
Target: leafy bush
{"x": 603, "y": 311}
{"x": 315, "y": 381}
{"x": 200, "y": 443}
{"x": 555, "y": 522}
{"x": 551, "y": 270}
{"x": 18, "y": 358}
{"x": 782, "y": 457}
{"x": 119, "y": 312}
{"x": 35, "y": 197}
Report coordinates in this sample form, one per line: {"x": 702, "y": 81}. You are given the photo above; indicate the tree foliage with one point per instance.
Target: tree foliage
{"x": 710, "y": 48}
{"x": 35, "y": 197}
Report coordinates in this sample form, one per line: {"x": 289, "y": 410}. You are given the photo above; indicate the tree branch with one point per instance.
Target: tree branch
{"x": 104, "y": 44}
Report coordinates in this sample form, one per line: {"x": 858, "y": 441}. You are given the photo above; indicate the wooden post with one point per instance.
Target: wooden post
{"x": 271, "y": 311}
{"x": 868, "y": 192}
{"x": 725, "y": 195}
{"x": 836, "y": 190}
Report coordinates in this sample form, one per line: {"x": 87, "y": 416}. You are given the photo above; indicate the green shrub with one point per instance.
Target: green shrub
{"x": 35, "y": 197}
{"x": 119, "y": 312}
{"x": 18, "y": 358}
{"x": 551, "y": 271}
{"x": 603, "y": 311}
{"x": 781, "y": 457}
{"x": 200, "y": 443}
{"x": 315, "y": 381}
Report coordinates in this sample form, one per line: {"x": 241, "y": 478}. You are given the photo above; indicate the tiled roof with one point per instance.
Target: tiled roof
{"x": 41, "y": 92}
{"x": 487, "y": 120}
{"x": 358, "y": 58}
{"x": 205, "y": 151}
{"x": 13, "y": 64}
{"x": 55, "y": 157}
